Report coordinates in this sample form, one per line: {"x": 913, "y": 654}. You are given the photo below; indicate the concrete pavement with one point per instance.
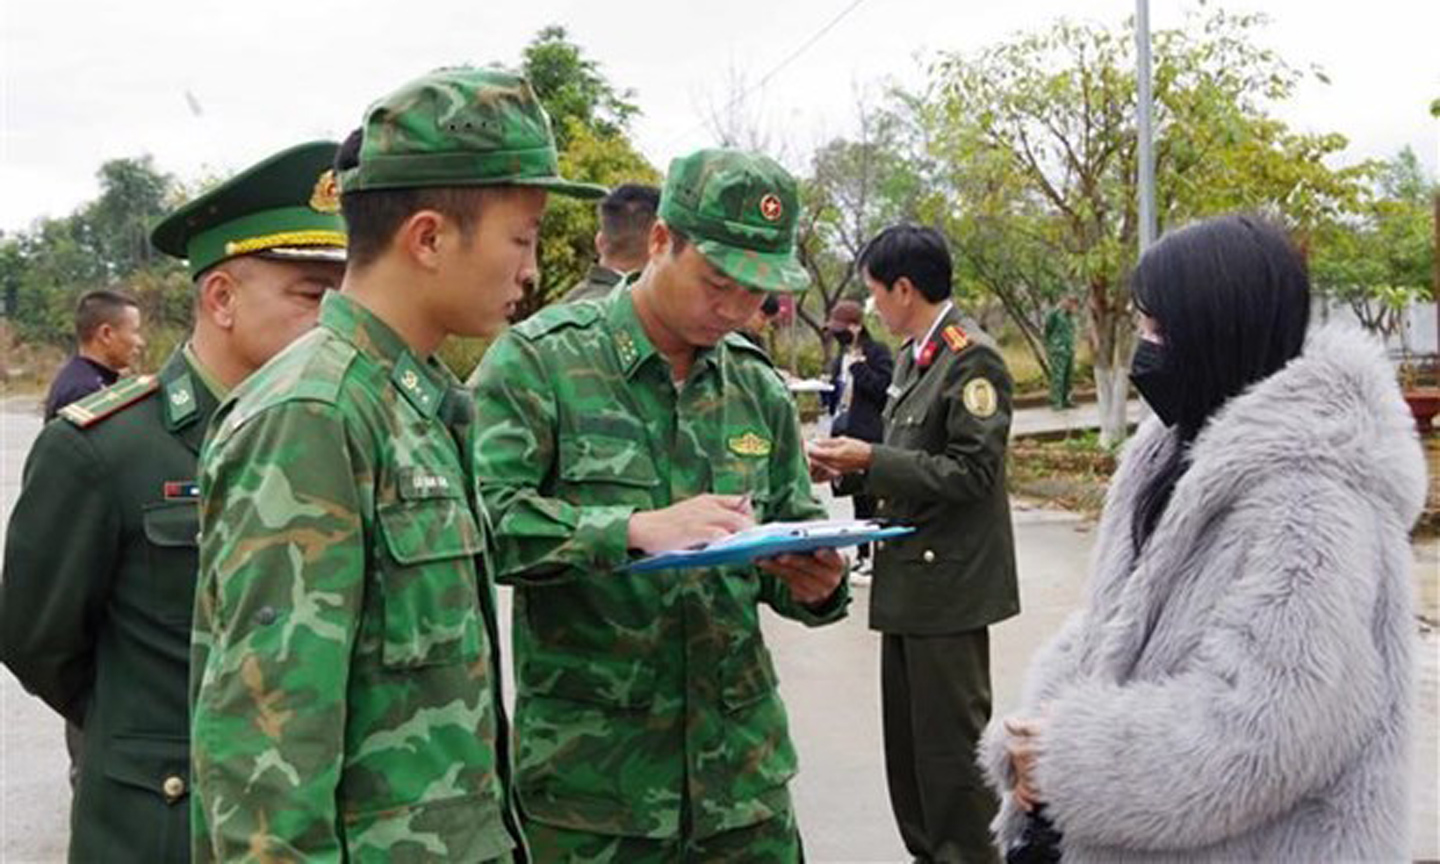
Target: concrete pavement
{"x": 830, "y": 679}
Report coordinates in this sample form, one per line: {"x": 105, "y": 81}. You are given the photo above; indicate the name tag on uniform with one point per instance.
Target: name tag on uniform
{"x": 419, "y": 483}
{"x": 181, "y": 490}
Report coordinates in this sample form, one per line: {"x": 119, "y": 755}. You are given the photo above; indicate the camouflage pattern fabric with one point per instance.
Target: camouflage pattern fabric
{"x": 740, "y": 209}
{"x": 344, "y": 673}
{"x": 460, "y": 127}
{"x": 1060, "y": 351}
{"x": 774, "y": 841}
{"x": 640, "y": 698}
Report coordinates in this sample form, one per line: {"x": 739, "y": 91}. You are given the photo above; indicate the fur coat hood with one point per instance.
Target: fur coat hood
{"x": 1243, "y": 690}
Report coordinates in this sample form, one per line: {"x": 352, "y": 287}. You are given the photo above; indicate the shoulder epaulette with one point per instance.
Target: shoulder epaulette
{"x": 309, "y": 371}
{"x": 553, "y": 318}
{"x": 97, "y": 406}
{"x": 740, "y": 343}
{"x": 956, "y": 338}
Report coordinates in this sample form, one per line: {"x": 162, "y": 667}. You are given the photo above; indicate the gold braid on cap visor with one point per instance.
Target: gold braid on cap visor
{"x": 316, "y": 237}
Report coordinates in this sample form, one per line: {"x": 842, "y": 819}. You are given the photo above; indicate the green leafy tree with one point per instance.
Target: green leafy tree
{"x": 591, "y": 119}
{"x": 133, "y": 196}
{"x": 104, "y": 242}
{"x": 855, "y": 187}
{"x": 1033, "y": 142}
{"x": 1380, "y": 262}
{"x": 572, "y": 88}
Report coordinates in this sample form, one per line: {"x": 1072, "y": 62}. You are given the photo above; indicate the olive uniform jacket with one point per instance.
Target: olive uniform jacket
{"x": 96, "y": 602}
{"x": 941, "y": 468}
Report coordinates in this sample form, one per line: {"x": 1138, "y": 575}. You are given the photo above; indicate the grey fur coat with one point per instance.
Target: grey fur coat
{"x": 1243, "y": 691}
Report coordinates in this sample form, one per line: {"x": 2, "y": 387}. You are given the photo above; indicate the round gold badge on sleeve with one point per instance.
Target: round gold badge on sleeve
{"x": 980, "y": 398}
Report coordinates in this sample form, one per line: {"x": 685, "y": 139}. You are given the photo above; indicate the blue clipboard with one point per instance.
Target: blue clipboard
{"x": 767, "y": 541}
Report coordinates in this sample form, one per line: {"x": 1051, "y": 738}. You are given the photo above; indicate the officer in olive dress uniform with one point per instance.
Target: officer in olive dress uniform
{"x": 100, "y": 564}
{"x": 941, "y": 468}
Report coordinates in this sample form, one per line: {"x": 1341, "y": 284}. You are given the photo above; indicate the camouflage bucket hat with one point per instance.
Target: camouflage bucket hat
{"x": 460, "y": 127}
{"x": 739, "y": 209}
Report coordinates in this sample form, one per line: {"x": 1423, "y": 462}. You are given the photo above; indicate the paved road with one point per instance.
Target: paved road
{"x": 830, "y": 678}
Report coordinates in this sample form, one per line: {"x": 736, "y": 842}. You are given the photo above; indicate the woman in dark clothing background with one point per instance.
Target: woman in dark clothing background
{"x": 861, "y": 374}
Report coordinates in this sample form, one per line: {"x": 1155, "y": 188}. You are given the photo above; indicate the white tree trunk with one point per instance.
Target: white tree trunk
{"x": 1112, "y": 388}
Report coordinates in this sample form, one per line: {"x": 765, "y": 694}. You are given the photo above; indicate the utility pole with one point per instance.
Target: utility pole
{"x": 1146, "y": 179}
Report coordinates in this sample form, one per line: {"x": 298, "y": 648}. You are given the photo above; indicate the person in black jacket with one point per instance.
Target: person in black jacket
{"x": 861, "y": 373}
{"x": 108, "y": 342}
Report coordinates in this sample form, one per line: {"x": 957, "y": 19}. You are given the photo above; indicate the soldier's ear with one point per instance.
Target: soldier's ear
{"x": 660, "y": 239}
{"x": 216, "y": 299}
{"x": 422, "y": 236}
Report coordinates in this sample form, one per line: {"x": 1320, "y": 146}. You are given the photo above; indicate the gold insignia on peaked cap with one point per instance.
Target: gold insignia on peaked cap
{"x": 771, "y": 208}
{"x": 749, "y": 444}
{"x": 980, "y": 399}
{"x": 325, "y": 198}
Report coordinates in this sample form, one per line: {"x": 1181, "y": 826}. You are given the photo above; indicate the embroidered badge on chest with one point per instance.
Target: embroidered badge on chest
{"x": 749, "y": 444}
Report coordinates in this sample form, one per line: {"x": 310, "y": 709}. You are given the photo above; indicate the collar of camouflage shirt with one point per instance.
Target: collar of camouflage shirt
{"x": 631, "y": 343}
{"x": 423, "y": 383}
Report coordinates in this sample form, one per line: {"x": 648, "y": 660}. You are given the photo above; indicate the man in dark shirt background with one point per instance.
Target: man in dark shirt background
{"x": 107, "y": 333}
{"x": 623, "y": 242}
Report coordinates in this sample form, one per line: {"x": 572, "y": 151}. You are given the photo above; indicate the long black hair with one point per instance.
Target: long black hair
{"x": 1232, "y": 301}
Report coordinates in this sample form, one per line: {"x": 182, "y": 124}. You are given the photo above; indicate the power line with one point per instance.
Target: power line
{"x": 779, "y": 67}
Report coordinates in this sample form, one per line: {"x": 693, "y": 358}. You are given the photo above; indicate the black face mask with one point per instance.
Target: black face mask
{"x": 844, "y": 337}
{"x": 1159, "y": 386}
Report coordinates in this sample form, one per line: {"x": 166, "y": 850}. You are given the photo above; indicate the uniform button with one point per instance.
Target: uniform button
{"x": 265, "y": 616}
{"x": 880, "y": 544}
{"x": 879, "y": 503}
{"x": 197, "y": 538}
{"x": 174, "y": 787}
{"x": 929, "y": 556}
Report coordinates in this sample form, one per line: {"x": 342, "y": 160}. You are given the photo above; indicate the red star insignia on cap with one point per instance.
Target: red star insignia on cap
{"x": 771, "y": 208}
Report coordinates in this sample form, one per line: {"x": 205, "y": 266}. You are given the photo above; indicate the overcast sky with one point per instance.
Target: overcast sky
{"x": 84, "y": 82}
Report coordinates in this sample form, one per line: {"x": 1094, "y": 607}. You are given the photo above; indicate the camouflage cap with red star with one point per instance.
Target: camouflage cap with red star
{"x": 740, "y": 211}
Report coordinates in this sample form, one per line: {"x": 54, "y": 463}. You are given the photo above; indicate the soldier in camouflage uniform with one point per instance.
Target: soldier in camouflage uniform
{"x": 347, "y": 702}
{"x": 1060, "y": 350}
{"x": 99, "y": 580}
{"x": 649, "y": 723}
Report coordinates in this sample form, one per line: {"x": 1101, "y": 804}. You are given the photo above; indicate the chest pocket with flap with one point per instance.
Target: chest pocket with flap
{"x": 429, "y": 581}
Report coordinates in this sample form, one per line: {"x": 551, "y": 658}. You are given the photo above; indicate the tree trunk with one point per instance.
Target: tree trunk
{"x": 1112, "y": 385}
{"x": 1110, "y": 340}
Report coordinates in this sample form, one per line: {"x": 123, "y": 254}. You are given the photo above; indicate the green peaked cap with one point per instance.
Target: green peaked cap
{"x": 285, "y": 206}
{"x": 460, "y": 127}
{"x": 740, "y": 210}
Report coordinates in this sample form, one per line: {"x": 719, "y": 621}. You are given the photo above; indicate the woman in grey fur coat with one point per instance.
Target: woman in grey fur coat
{"x": 1239, "y": 685}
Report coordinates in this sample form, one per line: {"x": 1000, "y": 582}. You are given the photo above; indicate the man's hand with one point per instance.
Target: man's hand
{"x": 839, "y": 455}
{"x": 811, "y": 578}
{"x": 820, "y": 473}
{"x": 702, "y": 519}
{"x": 1023, "y": 745}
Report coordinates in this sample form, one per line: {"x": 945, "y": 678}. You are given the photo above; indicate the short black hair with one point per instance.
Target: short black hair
{"x": 101, "y": 306}
{"x": 373, "y": 216}
{"x": 626, "y": 215}
{"x": 915, "y": 252}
